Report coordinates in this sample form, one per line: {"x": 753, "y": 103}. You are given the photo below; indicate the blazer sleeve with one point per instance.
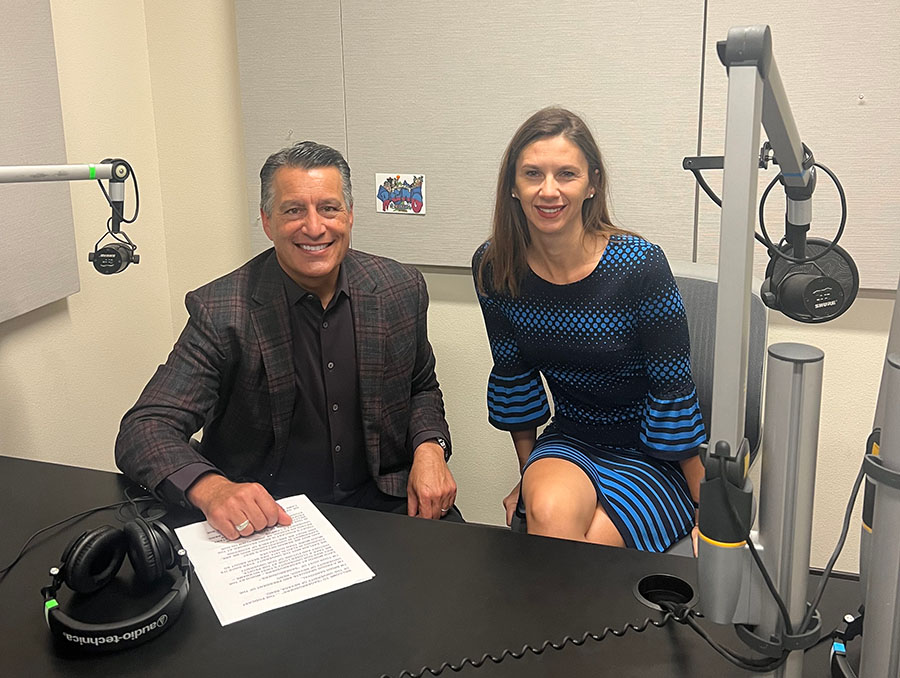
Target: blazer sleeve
{"x": 154, "y": 436}
{"x": 426, "y": 400}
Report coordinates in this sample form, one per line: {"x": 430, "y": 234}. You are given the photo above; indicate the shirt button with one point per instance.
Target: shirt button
{"x": 325, "y": 324}
{"x": 330, "y": 365}
{"x": 334, "y": 408}
{"x": 337, "y": 485}
{"x": 337, "y": 448}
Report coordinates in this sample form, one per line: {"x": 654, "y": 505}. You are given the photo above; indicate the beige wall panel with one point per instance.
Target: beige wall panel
{"x": 439, "y": 89}
{"x": 289, "y": 57}
{"x": 197, "y": 110}
{"x": 840, "y": 67}
{"x": 37, "y": 248}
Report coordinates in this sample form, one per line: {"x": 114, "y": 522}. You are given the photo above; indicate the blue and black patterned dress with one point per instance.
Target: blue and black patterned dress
{"x": 614, "y": 351}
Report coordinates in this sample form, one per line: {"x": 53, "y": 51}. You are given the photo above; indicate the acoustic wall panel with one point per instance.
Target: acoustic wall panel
{"x": 840, "y": 67}
{"x": 290, "y": 61}
{"x": 440, "y": 88}
{"x": 37, "y": 235}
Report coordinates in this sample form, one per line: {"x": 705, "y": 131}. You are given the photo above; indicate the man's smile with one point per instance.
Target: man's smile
{"x": 315, "y": 248}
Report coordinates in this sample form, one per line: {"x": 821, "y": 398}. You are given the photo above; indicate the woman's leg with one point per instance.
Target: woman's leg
{"x": 561, "y": 501}
{"x": 603, "y": 531}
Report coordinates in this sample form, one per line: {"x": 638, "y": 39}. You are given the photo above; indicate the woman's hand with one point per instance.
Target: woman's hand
{"x": 695, "y": 531}
{"x": 510, "y": 502}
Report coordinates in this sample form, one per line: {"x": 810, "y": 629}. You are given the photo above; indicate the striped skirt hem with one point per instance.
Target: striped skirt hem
{"x": 647, "y": 499}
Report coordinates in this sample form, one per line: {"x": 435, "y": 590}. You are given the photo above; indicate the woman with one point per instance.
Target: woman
{"x": 595, "y": 310}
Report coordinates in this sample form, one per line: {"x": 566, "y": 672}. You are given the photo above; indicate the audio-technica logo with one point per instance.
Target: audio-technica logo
{"x": 128, "y": 636}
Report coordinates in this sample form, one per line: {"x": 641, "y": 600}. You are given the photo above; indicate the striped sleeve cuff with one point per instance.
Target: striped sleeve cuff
{"x": 672, "y": 428}
{"x": 517, "y": 402}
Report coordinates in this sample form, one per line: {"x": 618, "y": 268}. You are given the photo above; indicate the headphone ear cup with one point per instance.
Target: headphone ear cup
{"x": 149, "y": 549}
{"x": 92, "y": 560}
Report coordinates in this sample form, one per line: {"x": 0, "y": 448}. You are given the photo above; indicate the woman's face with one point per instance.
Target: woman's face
{"x": 552, "y": 182}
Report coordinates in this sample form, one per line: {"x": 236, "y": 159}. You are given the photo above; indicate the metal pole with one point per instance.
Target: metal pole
{"x": 865, "y": 538}
{"x": 721, "y": 566}
{"x": 29, "y": 173}
{"x": 787, "y": 483}
{"x": 881, "y": 635}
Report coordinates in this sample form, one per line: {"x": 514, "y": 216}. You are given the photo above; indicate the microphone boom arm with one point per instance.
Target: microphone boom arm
{"x": 731, "y": 590}
{"x": 111, "y": 258}
{"x": 10, "y": 174}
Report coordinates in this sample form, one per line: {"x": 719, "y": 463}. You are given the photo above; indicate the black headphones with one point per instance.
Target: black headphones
{"x": 92, "y": 560}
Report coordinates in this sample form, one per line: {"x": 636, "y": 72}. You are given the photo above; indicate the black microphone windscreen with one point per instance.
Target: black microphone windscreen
{"x": 816, "y": 291}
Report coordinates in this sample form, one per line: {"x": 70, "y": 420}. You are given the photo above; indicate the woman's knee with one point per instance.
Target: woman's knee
{"x": 557, "y": 507}
{"x": 559, "y": 497}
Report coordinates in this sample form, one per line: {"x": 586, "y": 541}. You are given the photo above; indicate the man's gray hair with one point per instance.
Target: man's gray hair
{"x": 304, "y": 155}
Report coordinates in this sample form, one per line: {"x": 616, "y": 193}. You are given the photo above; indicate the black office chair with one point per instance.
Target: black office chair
{"x": 698, "y": 285}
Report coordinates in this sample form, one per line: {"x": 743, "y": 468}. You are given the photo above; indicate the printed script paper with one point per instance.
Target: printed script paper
{"x": 279, "y": 566}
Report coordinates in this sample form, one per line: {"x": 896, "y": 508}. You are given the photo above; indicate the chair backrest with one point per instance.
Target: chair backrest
{"x": 697, "y": 284}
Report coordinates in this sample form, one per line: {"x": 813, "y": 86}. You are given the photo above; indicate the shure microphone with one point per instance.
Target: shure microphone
{"x": 812, "y": 292}
{"x": 114, "y": 257}
{"x": 810, "y": 280}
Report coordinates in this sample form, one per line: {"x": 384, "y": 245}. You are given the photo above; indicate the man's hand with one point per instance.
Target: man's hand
{"x": 229, "y": 505}
{"x": 510, "y": 501}
{"x": 431, "y": 489}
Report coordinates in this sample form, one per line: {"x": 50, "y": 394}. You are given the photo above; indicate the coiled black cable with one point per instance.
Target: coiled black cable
{"x": 668, "y": 616}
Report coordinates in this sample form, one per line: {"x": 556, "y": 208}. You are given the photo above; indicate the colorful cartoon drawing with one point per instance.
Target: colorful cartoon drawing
{"x": 400, "y": 194}
{"x": 416, "y": 198}
{"x": 384, "y": 195}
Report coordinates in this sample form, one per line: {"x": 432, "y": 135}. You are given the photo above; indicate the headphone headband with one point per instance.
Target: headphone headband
{"x": 127, "y": 633}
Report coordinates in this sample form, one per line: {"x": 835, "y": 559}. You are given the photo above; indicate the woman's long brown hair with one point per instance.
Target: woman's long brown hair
{"x": 504, "y": 260}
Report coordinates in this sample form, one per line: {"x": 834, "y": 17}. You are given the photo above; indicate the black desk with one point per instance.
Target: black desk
{"x": 442, "y": 591}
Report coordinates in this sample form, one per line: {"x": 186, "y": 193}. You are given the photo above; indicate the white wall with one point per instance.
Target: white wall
{"x": 69, "y": 371}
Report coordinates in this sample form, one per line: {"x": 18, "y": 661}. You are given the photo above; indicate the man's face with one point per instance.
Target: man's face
{"x": 310, "y": 226}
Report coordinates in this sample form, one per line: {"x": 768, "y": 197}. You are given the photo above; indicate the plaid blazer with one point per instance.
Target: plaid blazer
{"x": 231, "y": 374}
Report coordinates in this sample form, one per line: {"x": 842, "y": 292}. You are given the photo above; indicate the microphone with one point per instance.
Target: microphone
{"x": 113, "y": 258}
{"x": 116, "y": 256}
{"x": 813, "y": 291}
{"x": 811, "y": 280}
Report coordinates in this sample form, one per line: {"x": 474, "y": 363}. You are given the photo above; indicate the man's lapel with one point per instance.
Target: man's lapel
{"x": 272, "y": 324}
{"x": 370, "y": 331}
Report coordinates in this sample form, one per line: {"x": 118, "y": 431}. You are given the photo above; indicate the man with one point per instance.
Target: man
{"x": 308, "y": 369}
